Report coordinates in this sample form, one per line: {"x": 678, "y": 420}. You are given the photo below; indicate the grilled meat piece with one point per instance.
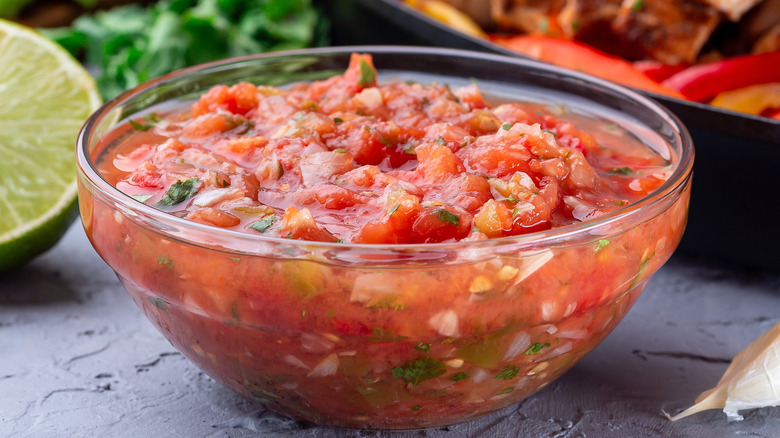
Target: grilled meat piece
{"x": 734, "y": 9}
{"x": 671, "y": 31}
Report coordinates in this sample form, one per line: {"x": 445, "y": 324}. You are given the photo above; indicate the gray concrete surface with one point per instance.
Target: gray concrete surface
{"x": 78, "y": 359}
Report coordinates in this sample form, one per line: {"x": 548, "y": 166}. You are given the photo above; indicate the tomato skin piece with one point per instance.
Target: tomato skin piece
{"x": 581, "y": 57}
{"x": 702, "y": 82}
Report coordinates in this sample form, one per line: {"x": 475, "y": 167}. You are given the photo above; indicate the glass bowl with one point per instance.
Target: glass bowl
{"x": 461, "y": 329}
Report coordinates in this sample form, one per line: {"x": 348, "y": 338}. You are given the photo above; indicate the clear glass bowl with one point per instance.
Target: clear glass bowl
{"x": 287, "y": 323}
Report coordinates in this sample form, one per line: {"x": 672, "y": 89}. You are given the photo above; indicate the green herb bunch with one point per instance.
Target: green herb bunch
{"x": 128, "y": 45}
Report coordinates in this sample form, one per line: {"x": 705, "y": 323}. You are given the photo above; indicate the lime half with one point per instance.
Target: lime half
{"x": 45, "y": 97}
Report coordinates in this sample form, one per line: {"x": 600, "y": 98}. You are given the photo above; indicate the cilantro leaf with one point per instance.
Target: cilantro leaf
{"x": 423, "y": 347}
{"x": 160, "y": 303}
{"x": 131, "y": 44}
{"x": 367, "y": 74}
{"x": 384, "y": 335}
{"x": 536, "y": 348}
{"x": 622, "y": 171}
{"x": 509, "y": 372}
{"x": 460, "y": 376}
{"x": 263, "y": 224}
{"x": 141, "y": 126}
{"x": 602, "y": 244}
{"x": 178, "y": 193}
{"x": 446, "y": 216}
{"x": 420, "y": 370}
{"x": 165, "y": 262}
{"x": 142, "y": 198}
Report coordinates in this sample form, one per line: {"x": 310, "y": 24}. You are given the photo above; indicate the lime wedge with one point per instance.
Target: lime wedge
{"x": 45, "y": 97}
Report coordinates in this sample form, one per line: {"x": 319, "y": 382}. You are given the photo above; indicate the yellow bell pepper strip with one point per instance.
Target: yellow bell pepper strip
{"x": 448, "y": 15}
{"x": 702, "y": 82}
{"x": 584, "y": 58}
{"x": 756, "y": 99}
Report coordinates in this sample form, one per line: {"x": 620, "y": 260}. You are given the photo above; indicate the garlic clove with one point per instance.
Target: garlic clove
{"x": 751, "y": 381}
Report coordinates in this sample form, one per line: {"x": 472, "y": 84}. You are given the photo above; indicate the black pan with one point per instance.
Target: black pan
{"x": 734, "y": 205}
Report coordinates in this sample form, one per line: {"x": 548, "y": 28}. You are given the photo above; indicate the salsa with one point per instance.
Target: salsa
{"x": 349, "y": 160}
{"x": 373, "y": 336}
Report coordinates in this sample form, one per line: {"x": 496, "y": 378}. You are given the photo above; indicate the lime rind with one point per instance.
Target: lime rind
{"x": 47, "y": 95}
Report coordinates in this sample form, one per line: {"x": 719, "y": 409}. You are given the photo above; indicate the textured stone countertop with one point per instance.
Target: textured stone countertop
{"x": 78, "y": 359}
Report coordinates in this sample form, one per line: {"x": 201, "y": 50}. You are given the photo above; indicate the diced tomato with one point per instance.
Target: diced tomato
{"x": 330, "y": 196}
{"x": 209, "y": 124}
{"x": 214, "y": 217}
{"x": 299, "y": 224}
{"x": 437, "y": 162}
{"x": 495, "y": 157}
{"x": 360, "y": 74}
{"x": 237, "y": 99}
{"x": 471, "y": 96}
{"x": 147, "y": 178}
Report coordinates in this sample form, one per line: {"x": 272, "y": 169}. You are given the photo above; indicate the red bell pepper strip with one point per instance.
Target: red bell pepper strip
{"x": 584, "y": 58}
{"x": 702, "y": 82}
{"x": 658, "y": 71}
{"x": 772, "y": 114}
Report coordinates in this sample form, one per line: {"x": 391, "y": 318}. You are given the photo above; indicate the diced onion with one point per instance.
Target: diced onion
{"x": 445, "y": 322}
{"x": 369, "y": 287}
{"x": 549, "y": 310}
{"x": 327, "y": 367}
{"x": 315, "y": 344}
{"x": 479, "y": 375}
{"x": 531, "y": 263}
{"x": 562, "y": 348}
{"x": 519, "y": 345}
{"x": 213, "y": 197}
{"x": 294, "y": 361}
{"x": 573, "y": 334}
{"x": 369, "y": 97}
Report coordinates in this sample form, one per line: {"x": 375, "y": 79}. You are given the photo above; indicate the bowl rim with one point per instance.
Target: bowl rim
{"x": 681, "y": 174}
